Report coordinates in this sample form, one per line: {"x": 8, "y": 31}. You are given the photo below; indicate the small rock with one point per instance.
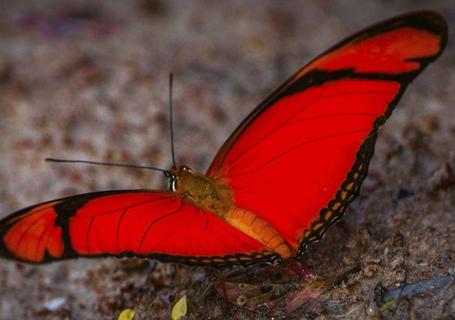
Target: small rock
{"x": 54, "y": 304}
{"x": 404, "y": 193}
{"x": 348, "y": 261}
{"x": 399, "y": 275}
{"x": 351, "y": 244}
{"x": 370, "y": 266}
{"x": 369, "y": 271}
{"x": 397, "y": 262}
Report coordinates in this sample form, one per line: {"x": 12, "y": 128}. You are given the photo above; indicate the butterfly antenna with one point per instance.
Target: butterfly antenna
{"x": 171, "y": 117}
{"x": 133, "y": 166}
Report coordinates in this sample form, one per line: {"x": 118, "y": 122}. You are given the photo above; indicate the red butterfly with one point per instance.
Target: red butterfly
{"x": 279, "y": 181}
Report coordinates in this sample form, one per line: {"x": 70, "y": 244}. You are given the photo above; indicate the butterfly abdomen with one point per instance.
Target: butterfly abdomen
{"x": 259, "y": 229}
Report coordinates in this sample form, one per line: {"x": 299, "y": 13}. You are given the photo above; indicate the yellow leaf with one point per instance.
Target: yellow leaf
{"x": 127, "y": 314}
{"x": 179, "y": 309}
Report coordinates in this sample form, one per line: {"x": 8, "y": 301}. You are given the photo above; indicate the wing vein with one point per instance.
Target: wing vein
{"x": 41, "y": 238}
{"x": 117, "y": 235}
{"x": 87, "y": 236}
{"x": 24, "y": 233}
{"x": 150, "y": 224}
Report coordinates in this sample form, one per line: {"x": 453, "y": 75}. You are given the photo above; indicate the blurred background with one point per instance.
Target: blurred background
{"x": 89, "y": 80}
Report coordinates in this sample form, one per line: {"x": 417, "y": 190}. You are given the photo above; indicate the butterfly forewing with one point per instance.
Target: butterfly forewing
{"x": 141, "y": 223}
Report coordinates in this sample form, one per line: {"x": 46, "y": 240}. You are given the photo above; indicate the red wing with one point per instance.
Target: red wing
{"x": 137, "y": 223}
{"x": 299, "y": 158}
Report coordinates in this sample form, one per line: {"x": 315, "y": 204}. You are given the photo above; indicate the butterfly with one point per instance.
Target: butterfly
{"x": 287, "y": 173}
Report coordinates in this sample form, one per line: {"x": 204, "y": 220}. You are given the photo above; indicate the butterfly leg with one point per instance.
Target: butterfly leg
{"x": 301, "y": 270}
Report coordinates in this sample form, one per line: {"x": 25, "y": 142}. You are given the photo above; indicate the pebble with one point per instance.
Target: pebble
{"x": 54, "y": 304}
{"x": 397, "y": 262}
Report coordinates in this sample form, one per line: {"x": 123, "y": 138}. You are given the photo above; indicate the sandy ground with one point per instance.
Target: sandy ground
{"x": 90, "y": 81}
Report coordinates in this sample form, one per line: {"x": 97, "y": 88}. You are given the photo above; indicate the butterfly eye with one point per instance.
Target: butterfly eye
{"x": 186, "y": 169}
{"x": 172, "y": 183}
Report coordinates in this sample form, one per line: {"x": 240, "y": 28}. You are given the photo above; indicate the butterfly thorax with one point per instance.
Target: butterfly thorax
{"x": 203, "y": 191}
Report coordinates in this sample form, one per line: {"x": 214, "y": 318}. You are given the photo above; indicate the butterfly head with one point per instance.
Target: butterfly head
{"x": 176, "y": 174}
